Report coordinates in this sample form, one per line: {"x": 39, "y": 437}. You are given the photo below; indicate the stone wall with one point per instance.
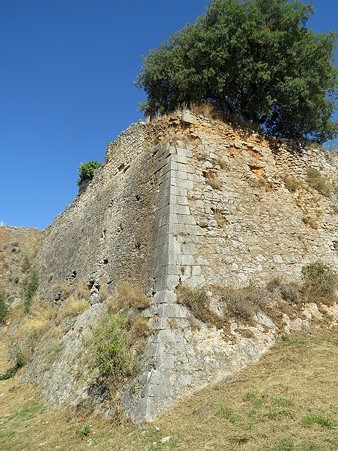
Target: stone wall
{"x": 188, "y": 200}
{"x": 224, "y": 216}
{"x": 106, "y": 235}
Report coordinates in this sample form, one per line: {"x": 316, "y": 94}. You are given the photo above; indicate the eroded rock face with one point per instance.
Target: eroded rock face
{"x": 18, "y": 247}
{"x": 184, "y": 200}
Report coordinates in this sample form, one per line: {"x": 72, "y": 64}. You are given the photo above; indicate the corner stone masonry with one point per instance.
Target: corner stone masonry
{"x": 188, "y": 200}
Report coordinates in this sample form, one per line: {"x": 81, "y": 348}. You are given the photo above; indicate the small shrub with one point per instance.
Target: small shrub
{"x": 3, "y": 308}
{"x": 207, "y": 110}
{"x": 222, "y": 163}
{"x": 239, "y": 305}
{"x": 315, "y": 179}
{"x": 292, "y": 183}
{"x": 289, "y": 291}
{"x": 112, "y": 353}
{"x": 140, "y": 327}
{"x": 86, "y": 170}
{"x": 244, "y": 302}
{"x": 30, "y": 287}
{"x": 319, "y": 281}
{"x": 131, "y": 296}
{"x": 25, "y": 264}
{"x": 213, "y": 180}
{"x": 10, "y": 372}
{"x": 312, "y": 418}
{"x": 313, "y": 223}
{"x": 197, "y": 302}
{"x": 221, "y": 220}
{"x": 83, "y": 431}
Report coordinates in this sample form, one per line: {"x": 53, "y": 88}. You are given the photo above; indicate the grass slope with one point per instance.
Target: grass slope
{"x": 286, "y": 401}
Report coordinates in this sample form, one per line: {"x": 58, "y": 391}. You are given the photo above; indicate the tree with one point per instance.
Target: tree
{"x": 86, "y": 170}
{"x": 254, "y": 58}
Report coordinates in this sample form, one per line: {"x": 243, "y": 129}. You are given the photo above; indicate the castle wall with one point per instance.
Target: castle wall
{"x": 188, "y": 200}
{"x": 106, "y": 235}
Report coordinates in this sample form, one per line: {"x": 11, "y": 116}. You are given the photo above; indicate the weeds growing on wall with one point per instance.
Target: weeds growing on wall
{"x": 197, "y": 301}
{"x": 29, "y": 289}
{"x": 3, "y": 308}
{"x": 118, "y": 340}
{"x": 113, "y": 356}
{"x": 131, "y": 296}
{"x": 293, "y": 183}
{"x": 318, "y": 182}
{"x": 87, "y": 170}
{"x": 276, "y": 297}
{"x": 320, "y": 281}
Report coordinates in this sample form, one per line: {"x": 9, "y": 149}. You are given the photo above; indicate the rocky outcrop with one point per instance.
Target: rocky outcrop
{"x": 18, "y": 246}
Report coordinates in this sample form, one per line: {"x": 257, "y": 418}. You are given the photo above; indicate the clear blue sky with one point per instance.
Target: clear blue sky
{"x": 66, "y": 89}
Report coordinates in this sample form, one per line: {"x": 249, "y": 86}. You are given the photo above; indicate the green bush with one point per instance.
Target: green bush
{"x": 30, "y": 287}
{"x": 3, "y": 308}
{"x": 86, "y": 170}
{"x": 112, "y": 352}
{"x": 319, "y": 281}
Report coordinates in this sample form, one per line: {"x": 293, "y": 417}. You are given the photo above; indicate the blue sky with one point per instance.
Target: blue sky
{"x": 67, "y": 72}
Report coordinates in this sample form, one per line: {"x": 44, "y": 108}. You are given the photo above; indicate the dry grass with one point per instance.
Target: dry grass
{"x": 286, "y": 401}
{"x": 82, "y": 290}
{"x": 131, "y": 296}
{"x": 222, "y": 163}
{"x": 139, "y": 328}
{"x": 318, "y": 182}
{"x": 213, "y": 180}
{"x": 29, "y": 330}
{"x": 313, "y": 223}
{"x": 293, "y": 183}
{"x": 206, "y": 110}
{"x": 73, "y": 306}
{"x": 221, "y": 220}
{"x": 197, "y": 301}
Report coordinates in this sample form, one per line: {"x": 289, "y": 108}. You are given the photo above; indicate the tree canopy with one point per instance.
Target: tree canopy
{"x": 253, "y": 58}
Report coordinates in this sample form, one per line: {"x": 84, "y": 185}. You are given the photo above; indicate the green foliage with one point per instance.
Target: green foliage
{"x": 86, "y": 170}
{"x": 3, "y": 307}
{"x": 30, "y": 287}
{"x": 319, "y": 281}
{"x": 10, "y": 372}
{"x": 111, "y": 349}
{"x": 83, "y": 431}
{"x": 252, "y": 58}
{"x": 312, "y": 418}
{"x": 229, "y": 413}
